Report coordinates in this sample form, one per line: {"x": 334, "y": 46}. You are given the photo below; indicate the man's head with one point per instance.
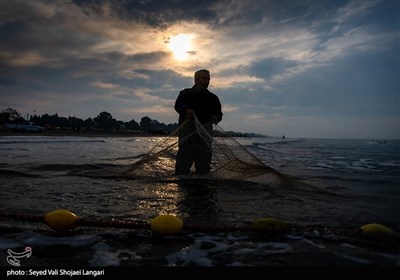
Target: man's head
{"x": 202, "y": 79}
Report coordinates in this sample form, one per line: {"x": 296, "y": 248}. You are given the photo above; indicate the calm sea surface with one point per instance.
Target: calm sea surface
{"x": 362, "y": 175}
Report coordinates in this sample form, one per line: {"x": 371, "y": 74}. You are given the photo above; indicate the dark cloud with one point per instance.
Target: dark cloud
{"x": 269, "y": 67}
{"x": 161, "y": 13}
{"x": 156, "y": 13}
{"x": 161, "y": 78}
{"x": 239, "y": 70}
{"x": 26, "y": 26}
{"x": 150, "y": 57}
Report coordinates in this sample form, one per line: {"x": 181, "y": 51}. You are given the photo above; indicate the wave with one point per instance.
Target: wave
{"x": 45, "y": 170}
{"x": 68, "y": 167}
{"x": 327, "y": 178}
{"x": 376, "y": 142}
{"x": 279, "y": 141}
{"x": 48, "y": 140}
{"x": 127, "y": 158}
{"x": 260, "y": 146}
{"x": 4, "y": 173}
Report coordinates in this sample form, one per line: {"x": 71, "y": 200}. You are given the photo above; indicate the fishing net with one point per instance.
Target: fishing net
{"x": 203, "y": 145}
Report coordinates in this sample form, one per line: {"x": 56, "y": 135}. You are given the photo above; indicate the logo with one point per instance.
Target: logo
{"x": 13, "y": 257}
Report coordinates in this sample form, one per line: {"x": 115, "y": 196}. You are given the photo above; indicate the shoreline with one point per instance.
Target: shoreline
{"x": 56, "y": 133}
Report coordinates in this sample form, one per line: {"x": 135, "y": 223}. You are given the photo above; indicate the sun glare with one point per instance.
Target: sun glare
{"x": 180, "y": 46}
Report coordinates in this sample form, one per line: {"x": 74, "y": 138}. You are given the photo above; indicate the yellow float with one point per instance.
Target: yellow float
{"x": 376, "y": 229}
{"x": 268, "y": 224}
{"x": 166, "y": 225}
{"x": 60, "y": 219}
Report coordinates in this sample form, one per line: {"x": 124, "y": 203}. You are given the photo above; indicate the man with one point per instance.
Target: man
{"x": 195, "y": 142}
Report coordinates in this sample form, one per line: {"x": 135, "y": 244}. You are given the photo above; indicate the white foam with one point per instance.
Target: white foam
{"x": 189, "y": 255}
{"x": 198, "y": 252}
{"x": 74, "y": 241}
{"x": 106, "y": 255}
{"x": 355, "y": 259}
{"x": 275, "y": 248}
{"x": 314, "y": 244}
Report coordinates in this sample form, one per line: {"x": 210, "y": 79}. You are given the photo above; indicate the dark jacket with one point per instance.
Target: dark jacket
{"x": 205, "y": 105}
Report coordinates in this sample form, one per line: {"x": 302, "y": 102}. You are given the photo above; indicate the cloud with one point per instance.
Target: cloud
{"x": 352, "y": 10}
{"x": 26, "y": 59}
{"x": 269, "y": 67}
{"x": 255, "y": 117}
{"x": 271, "y": 62}
{"x": 154, "y": 13}
{"x": 229, "y": 108}
{"x": 104, "y": 85}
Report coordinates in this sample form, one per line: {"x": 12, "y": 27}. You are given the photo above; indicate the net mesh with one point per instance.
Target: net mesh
{"x": 229, "y": 160}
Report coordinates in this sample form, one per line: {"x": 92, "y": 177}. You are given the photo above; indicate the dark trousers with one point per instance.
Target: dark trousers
{"x": 194, "y": 146}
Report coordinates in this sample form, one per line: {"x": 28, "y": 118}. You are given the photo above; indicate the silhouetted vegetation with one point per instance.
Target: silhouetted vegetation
{"x": 104, "y": 121}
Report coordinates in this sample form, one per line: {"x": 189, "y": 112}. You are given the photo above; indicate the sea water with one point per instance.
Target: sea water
{"x": 362, "y": 175}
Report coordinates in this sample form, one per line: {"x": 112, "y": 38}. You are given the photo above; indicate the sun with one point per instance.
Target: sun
{"x": 180, "y": 46}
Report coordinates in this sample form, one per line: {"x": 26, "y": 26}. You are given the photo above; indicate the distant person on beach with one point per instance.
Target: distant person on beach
{"x": 196, "y": 102}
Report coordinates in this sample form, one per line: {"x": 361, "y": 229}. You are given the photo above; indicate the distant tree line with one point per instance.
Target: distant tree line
{"x": 103, "y": 122}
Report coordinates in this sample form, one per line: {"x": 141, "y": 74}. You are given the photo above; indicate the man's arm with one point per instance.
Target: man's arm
{"x": 180, "y": 106}
{"x": 217, "y": 115}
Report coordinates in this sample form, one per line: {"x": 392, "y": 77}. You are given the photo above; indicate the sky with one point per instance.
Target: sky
{"x": 310, "y": 69}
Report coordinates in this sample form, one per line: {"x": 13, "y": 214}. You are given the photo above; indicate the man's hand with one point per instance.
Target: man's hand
{"x": 214, "y": 120}
{"x": 189, "y": 114}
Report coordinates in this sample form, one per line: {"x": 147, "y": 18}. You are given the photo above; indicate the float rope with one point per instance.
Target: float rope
{"x": 124, "y": 224}
{"x": 164, "y": 224}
